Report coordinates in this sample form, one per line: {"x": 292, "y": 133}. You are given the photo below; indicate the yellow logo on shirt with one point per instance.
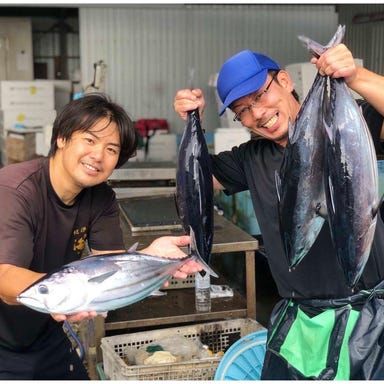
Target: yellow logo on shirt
{"x": 80, "y": 237}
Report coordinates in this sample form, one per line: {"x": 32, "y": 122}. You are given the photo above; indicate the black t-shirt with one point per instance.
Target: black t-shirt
{"x": 252, "y": 166}
{"x": 375, "y": 122}
{"x": 39, "y": 232}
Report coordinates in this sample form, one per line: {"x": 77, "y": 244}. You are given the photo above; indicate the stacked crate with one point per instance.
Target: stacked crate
{"x": 217, "y": 336}
{"x": 25, "y": 106}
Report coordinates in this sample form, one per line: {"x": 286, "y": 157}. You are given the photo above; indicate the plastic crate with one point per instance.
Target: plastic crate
{"x": 219, "y": 336}
{"x": 100, "y": 371}
{"x": 174, "y": 283}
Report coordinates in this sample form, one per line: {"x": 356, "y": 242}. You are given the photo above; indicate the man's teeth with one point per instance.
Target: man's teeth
{"x": 90, "y": 167}
{"x": 272, "y": 121}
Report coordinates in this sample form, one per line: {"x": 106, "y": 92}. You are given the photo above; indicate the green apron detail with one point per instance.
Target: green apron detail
{"x": 327, "y": 339}
{"x": 307, "y": 343}
{"x": 316, "y": 345}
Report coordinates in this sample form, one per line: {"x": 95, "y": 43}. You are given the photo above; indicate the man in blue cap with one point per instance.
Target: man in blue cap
{"x": 310, "y": 327}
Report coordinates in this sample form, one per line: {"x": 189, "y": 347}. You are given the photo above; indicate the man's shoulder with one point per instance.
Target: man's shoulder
{"x": 17, "y": 174}
{"x": 259, "y": 146}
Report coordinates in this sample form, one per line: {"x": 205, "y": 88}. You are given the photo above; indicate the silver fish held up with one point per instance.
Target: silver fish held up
{"x": 299, "y": 182}
{"x": 194, "y": 190}
{"x": 350, "y": 177}
{"x": 100, "y": 283}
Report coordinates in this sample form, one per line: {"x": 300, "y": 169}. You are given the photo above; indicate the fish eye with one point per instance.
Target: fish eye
{"x": 43, "y": 289}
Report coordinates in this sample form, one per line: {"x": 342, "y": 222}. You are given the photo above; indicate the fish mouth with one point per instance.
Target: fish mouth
{"x": 30, "y": 302}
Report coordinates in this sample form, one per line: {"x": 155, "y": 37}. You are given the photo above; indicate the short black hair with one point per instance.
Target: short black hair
{"x": 83, "y": 113}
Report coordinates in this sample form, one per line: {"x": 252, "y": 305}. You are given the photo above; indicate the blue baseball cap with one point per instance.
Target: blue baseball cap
{"x": 242, "y": 74}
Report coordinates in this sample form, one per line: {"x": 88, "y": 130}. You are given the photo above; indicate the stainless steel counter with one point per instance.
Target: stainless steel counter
{"x": 178, "y": 305}
{"x": 163, "y": 310}
{"x": 143, "y": 179}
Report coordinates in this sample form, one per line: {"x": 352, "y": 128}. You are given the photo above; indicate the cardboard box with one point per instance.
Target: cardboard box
{"x": 20, "y": 146}
{"x": 162, "y": 147}
{"x": 27, "y": 94}
{"x": 26, "y": 117}
{"x": 226, "y": 138}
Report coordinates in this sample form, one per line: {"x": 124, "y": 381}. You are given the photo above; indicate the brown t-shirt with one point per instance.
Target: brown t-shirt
{"x": 39, "y": 232}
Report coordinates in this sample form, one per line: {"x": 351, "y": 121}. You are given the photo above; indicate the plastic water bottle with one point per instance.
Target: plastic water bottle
{"x": 203, "y": 292}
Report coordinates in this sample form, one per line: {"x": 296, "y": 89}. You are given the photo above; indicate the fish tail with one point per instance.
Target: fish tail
{"x": 196, "y": 255}
{"x": 316, "y": 48}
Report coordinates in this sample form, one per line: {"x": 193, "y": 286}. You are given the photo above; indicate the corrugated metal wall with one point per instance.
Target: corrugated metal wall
{"x": 365, "y": 33}
{"x": 149, "y": 50}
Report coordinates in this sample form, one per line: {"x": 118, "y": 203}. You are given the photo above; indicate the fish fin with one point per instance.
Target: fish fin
{"x": 101, "y": 278}
{"x": 291, "y": 131}
{"x": 328, "y": 130}
{"x": 133, "y": 248}
{"x": 313, "y": 47}
{"x": 331, "y": 194}
{"x": 337, "y": 37}
{"x": 321, "y": 210}
{"x": 158, "y": 293}
{"x": 180, "y": 212}
{"x": 278, "y": 185}
{"x": 197, "y": 255}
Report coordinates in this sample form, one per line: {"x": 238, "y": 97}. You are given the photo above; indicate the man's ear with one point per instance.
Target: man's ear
{"x": 285, "y": 80}
{"x": 60, "y": 142}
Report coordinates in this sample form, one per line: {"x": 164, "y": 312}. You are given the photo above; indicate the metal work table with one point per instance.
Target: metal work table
{"x": 178, "y": 306}
{"x": 143, "y": 179}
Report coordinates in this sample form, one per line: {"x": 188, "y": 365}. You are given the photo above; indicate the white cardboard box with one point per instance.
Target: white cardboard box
{"x": 27, "y": 94}
{"x": 162, "y": 147}
{"x": 226, "y": 138}
{"x": 27, "y": 117}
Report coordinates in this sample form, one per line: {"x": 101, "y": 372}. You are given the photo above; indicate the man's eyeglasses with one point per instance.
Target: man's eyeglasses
{"x": 256, "y": 100}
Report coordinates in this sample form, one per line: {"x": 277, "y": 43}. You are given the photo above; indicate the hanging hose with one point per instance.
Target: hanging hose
{"x": 76, "y": 338}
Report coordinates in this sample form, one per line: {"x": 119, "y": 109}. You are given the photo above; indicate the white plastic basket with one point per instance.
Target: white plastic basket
{"x": 219, "y": 336}
{"x": 188, "y": 282}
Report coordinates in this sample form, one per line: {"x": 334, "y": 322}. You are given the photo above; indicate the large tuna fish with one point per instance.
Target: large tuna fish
{"x": 194, "y": 190}
{"x": 299, "y": 183}
{"x": 350, "y": 177}
{"x": 100, "y": 283}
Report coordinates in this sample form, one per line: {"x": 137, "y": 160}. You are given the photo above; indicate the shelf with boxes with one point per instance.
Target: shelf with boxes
{"x": 27, "y": 112}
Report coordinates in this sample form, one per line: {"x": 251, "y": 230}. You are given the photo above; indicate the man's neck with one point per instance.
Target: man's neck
{"x": 66, "y": 193}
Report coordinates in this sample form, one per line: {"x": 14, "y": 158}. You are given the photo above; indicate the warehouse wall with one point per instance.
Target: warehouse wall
{"x": 365, "y": 33}
{"x": 150, "y": 50}
{"x": 16, "y": 48}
